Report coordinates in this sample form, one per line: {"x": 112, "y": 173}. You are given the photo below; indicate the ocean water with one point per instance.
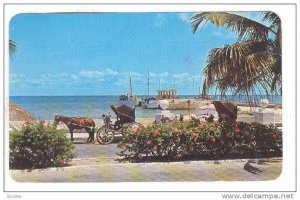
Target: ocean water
{"x": 47, "y": 107}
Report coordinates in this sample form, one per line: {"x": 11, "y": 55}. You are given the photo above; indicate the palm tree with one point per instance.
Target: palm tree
{"x": 12, "y": 47}
{"x": 253, "y": 63}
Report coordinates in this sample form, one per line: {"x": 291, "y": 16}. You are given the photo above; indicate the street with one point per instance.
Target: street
{"x": 84, "y": 150}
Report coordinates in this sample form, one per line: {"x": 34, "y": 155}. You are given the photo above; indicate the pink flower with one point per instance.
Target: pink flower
{"x": 212, "y": 138}
{"x": 148, "y": 142}
{"x": 237, "y": 129}
{"x": 228, "y": 135}
{"x": 274, "y": 136}
{"x": 179, "y": 155}
{"x": 279, "y": 136}
{"x": 222, "y": 142}
{"x": 154, "y": 148}
{"x": 123, "y": 147}
{"x": 201, "y": 126}
{"x": 61, "y": 162}
{"x": 175, "y": 130}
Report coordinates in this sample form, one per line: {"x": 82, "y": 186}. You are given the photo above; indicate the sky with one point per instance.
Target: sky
{"x": 95, "y": 54}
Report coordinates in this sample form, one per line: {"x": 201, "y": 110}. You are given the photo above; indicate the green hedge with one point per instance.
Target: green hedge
{"x": 177, "y": 140}
{"x": 39, "y": 146}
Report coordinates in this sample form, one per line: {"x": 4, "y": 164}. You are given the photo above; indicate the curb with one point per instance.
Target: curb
{"x": 53, "y": 169}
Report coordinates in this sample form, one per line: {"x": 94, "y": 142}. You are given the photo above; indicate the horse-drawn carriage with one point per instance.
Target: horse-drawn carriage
{"x": 125, "y": 122}
{"x": 105, "y": 134}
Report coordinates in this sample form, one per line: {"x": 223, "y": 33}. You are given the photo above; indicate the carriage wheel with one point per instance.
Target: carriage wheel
{"x": 105, "y": 135}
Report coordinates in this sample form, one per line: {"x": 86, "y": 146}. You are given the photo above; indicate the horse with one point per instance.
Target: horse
{"x": 77, "y": 123}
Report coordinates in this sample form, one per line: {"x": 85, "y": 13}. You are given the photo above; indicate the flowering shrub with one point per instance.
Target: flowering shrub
{"x": 36, "y": 146}
{"x": 200, "y": 139}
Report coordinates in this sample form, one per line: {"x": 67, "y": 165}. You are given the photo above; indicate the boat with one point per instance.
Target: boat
{"x": 179, "y": 104}
{"x": 124, "y": 99}
{"x": 130, "y": 100}
{"x": 150, "y": 102}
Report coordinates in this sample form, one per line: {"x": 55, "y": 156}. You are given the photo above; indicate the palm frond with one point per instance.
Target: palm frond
{"x": 273, "y": 19}
{"x": 246, "y": 29}
{"x": 239, "y": 67}
{"x": 12, "y": 47}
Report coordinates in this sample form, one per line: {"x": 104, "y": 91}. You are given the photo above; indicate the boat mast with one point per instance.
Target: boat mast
{"x": 130, "y": 87}
{"x": 159, "y": 83}
{"x": 148, "y": 84}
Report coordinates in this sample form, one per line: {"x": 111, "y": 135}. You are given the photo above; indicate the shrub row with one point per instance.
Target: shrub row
{"x": 37, "y": 146}
{"x": 177, "y": 140}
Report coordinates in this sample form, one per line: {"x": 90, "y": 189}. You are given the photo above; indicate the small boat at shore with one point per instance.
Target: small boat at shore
{"x": 150, "y": 103}
{"x": 124, "y": 99}
{"x": 130, "y": 100}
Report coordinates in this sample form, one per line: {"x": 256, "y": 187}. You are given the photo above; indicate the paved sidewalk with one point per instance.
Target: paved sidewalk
{"x": 109, "y": 170}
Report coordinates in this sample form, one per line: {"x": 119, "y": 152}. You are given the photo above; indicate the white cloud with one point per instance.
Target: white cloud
{"x": 90, "y": 74}
{"x": 16, "y": 78}
{"x": 114, "y": 79}
{"x": 98, "y": 74}
{"x": 152, "y": 75}
{"x": 74, "y": 77}
{"x": 164, "y": 75}
{"x": 185, "y": 17}
{"x": 181, "y": 76}
{"x": 134, "y": 75}
{"x": 109, "y": 71}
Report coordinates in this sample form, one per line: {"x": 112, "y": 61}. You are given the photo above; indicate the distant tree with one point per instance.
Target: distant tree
{"x": 252, "y": 63}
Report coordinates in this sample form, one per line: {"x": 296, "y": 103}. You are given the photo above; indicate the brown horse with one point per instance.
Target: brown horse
{"x": 77, "y": 123}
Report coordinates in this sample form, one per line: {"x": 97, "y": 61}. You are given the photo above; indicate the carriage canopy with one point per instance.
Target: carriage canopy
{"x": 126, "y": 114}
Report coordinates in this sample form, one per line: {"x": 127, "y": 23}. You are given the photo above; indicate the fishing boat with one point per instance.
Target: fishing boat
{"x": 124, "y": 99}
{"x": 150, "y": 102}
{"x": 130, "y": 100}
